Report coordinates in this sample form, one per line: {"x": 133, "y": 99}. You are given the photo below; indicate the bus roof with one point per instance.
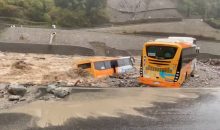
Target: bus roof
{"x": 189, "y": 40}
{"x": 95, "y": 59}
{"x": 170, "y": 42}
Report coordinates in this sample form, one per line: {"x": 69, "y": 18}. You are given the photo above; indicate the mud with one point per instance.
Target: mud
{"x": 101, "y": 103}
{"x": 46, "y": 69}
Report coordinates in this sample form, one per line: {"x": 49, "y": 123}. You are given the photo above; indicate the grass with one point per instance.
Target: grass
{"x": 214, "y": 23}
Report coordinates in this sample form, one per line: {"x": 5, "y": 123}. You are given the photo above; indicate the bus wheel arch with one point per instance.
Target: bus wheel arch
{"x": 186, "y": 77}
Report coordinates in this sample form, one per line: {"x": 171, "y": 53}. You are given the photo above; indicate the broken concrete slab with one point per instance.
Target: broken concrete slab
{"x": 16, "y": 89}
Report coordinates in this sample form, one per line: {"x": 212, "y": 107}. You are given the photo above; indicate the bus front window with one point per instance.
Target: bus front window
{"x": 161, "y": 52}
{"x": 85, "y": 66}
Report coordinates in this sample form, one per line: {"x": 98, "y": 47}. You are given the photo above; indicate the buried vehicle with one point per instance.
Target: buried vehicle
{"x": 167, "y": 62}
{"x": 106, "y": 66}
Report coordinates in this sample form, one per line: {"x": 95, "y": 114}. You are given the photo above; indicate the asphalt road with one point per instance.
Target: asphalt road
{"x": 121, "y": 109}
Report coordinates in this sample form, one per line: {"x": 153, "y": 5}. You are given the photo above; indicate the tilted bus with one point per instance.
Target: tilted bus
{"x": 167, "y": 63}
{"x": 106, "y": 66}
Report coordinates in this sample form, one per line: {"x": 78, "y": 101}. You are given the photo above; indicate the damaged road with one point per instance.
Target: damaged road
{"x": 124, "y": 108}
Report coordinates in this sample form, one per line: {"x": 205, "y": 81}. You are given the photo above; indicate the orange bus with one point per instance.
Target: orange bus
{"x": 106, "y": 66}
{"x": 167, "y": 63}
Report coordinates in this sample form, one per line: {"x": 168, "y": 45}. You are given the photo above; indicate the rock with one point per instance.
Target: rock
{"x": 215, "y": 62}
{"x": 16, "y": 89}
{"x": 206, "y": 83}
{"x": 196, "y": 76}
{"x": 22, "y": 99}
{"x": 61, "y": 92}
{"x": 2, "y": 95}
{"x": 51, "y": 88}
{"x": 57, "y": 91}
{"x": 3, "y": 86}
{"x": 14, "y": 98}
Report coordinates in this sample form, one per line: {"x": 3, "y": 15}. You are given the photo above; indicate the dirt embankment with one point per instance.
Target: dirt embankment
{"x": 187, "y": 27}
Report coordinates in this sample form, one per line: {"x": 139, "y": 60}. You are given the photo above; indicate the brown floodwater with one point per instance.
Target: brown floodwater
{"x": 85, "y": 103}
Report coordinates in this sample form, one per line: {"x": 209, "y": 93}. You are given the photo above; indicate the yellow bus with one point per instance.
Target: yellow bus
{"x": 106, "y": 66}
{"x": 167, "y": 63}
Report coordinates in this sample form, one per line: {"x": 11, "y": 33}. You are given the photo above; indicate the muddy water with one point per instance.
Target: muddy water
{"x": 84, "y": 103}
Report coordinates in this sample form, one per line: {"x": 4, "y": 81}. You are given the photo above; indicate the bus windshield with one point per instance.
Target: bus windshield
{"x": 161, "y": 52}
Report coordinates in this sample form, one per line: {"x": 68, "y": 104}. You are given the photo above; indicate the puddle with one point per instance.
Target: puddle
{"x": 105, "y": 103}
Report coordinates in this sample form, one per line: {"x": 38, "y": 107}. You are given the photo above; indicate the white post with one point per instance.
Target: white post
{"x": 52, "y": 37}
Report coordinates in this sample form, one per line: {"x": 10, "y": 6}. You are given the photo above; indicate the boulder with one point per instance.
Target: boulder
{"x": 14, "y": 98}
{"x": 61, "y": 92}
{"x": 51, "y": 88}
{"x": 57, "y": 91}
{"x": 16, "y": 89}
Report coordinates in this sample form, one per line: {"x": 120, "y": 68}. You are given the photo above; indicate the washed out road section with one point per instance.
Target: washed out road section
{"x": 99, "y": 103}
{"x": 117, "y": 108}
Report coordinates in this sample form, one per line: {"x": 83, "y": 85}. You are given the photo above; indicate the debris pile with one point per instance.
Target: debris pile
{"x": 115, "y": 81}
{"x": 21, "y": 65}
{"x": 214, "y": 62}
{"x": 207, "y": 76}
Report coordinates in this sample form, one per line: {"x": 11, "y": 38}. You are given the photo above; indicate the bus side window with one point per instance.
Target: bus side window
{"x": 108, "y": 64}
{"x": 100, "y": 65}
{"x": 188, "y": 54}
{"x": 120, "y": 63}
{"x": 85, "y": 66}
{"x": 127, "y": 61}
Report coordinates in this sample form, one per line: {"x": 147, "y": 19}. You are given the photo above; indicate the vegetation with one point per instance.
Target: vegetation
{"x": 209, "y": 10}
{"x": 205, "y": 9}
{"x": 214, "y": 23}
{"x": 65, "y": 13}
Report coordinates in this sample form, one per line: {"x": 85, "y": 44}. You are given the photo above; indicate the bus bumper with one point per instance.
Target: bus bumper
{"x": 155, "y": 83}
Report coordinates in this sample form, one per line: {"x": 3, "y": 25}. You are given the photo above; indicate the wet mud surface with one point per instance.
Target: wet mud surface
{"x": 156, "y": 108}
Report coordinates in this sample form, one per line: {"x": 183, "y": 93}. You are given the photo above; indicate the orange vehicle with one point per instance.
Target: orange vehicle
{"x": 167, "y": 63}
{"x": 106, "y": 66}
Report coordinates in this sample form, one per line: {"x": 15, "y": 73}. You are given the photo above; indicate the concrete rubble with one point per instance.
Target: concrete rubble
{"x": 58, "y": 91}
{"x": 16, "y": 89}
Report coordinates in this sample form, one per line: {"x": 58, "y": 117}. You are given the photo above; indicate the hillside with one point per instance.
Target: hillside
{"x": 65, "y": 13}
{"x": 130, "y": 10}
{"x": 87, "y": 13}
